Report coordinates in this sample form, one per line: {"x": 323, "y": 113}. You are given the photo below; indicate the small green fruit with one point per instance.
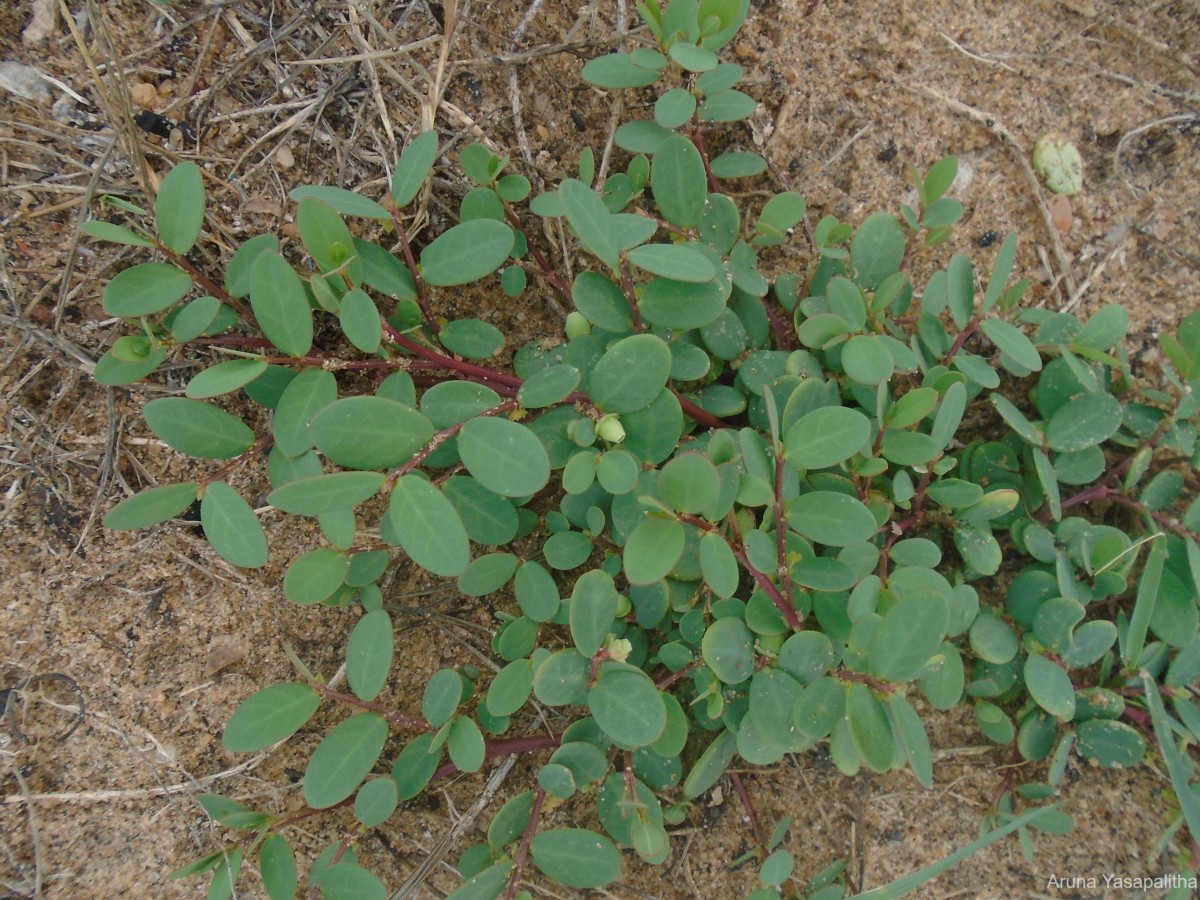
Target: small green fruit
{"x": 611, "y": 429}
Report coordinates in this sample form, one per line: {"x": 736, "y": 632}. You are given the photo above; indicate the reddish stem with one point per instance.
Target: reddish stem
{"x": 415, "y": 271}
{"x": 412, "y": 723}
{"x": 535, "y": 816}
{"x": 505, "y": 747}
{"x": 760, "y": 836}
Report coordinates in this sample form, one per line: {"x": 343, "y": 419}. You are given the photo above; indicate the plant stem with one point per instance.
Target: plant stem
{"x": 415, "y": 271}
{"x": 630, "y": 294}
{"x": 782, "y": 570}
{"x": 751, "y": 817}
{"x": 547, "y": 271}
{"x": 256, "y": 448}
{"x": 505, "y": 747}
{"x": 535, "y": 816}
{"x": 788, "y": 610}
{"x": 412, "y": 723}
{"x": 206, "y": 283}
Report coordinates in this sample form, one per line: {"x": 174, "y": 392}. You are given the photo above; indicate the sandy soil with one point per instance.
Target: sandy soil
{"x": 163, "y": 639}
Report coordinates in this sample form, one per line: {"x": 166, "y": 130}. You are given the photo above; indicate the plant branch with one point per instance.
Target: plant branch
{"x": 788, "y": 610}
{"x": 751, "y": 816}
{"x": 535, "y": 816}
{"x": 412, "y": 723}
{"x": 415, "y": 271}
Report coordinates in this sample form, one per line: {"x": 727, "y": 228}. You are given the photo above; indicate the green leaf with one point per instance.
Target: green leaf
{"x": 718, "y": 565}
{"x": 384, "y": 272}
{"x": 486, "y": 885}
{"x": 376, "y": 801}
{"x": 591, "y": 221}
{"x": 693, "y": 58}
{"x": 367, "y": 432}
{"x": 360, "y": 321}
{"x": 224, "y": 378}
{"x": 343, "y": 201}
{"x": 326, "y": 493}
{"x": 877, "y": 250}
{"x": 428, "y": 527}
{"x": 327, "y": 238}
{"x": 343, "y": 759}
{"x": 510, "y": 688}
{"x": 689, "y": 483}
{"x": 314, "y": 576}
{"x": 269, "y": 716}
{"x": 1001, "y": 269}
{"x": 870, "y": 730}
{"x": 472, "y": 339}
{"x": 782, "y": 213}
{"x": 466, "y": 252}
{"x": 826, "y": 437}
{"x": 369, "y": 654}
{"x": 652, "y": 550}
{"x": 413, "y": 167}
{"x": 1011, "y": 340}
{"x": 415, "y": 766}
{"x": 675, "y": 108}
{"x": 720, "y": 79}
{"x": 617, "y": 70}
{"x": 198, "y": 429}
{"x": 231, "y": 527}
{"x": 151, "y": 507}
{"x": 179, "y": 207}
{"x": 728, "y": 649}
{"x": 466, "y": 745}
{"x": 576, "y": 857}
{"x": 593, "y": 607}
{"x": 1083, "y": 422}
{"x": 277, "y": 865}
{"x": 504, "y": 456}
{"x": 827, "y": 517}
{"x": 727, "y": 106}
{"x": 601, "y": 302}
{"x": 350, "y": 881}
{"x": 911, "y": 731}
{"x": 909, "y": 636}
{"x": 280, "y": 304}
{"x": 735, "y": 164}
{"x": 627, "y": 706}
{"x": 1112, "y": 744}
{"x": 193, "y": 319}
{"x": 949, "y": 415}
{"x": 678, "y": 181}
{"x": 681, "y": 305}
{"x": 487, "y": 574}
{"x": 631, "y": 374}
{"x": 937, "y": 182}
{"x": 679, "y": 262}
{"x": 549, "y": 386}
{"x": 1104, "y": 330}
{"x": 1050, "y": 687}
{"x": 1147, "y": 597}
{"x": 145, "y": 289}
{"x": 107, "y": 231}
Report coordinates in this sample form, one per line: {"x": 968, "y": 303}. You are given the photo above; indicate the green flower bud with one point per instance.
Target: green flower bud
{"x": 611, "y": 429}
{"x": 1059, "y": 163}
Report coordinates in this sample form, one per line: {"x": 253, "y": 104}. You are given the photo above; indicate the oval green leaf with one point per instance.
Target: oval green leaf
{"x": 269, "y": 716}
{"x": 198, "y": 429}
{"x": 504, "y": 456}
{"x": 466, "y": 252}
{"x": 343, "y": 759}
{"x": 232, "y": 528}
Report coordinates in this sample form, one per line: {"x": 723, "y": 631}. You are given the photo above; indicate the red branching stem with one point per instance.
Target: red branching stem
{"x": 314, "y": 892}
{"x": 669, "y": 679}
{"x": 963, "y": 337}
{"x": 630, "y": 293}
{"x": 697, "y": 137}
{"x": 697, "y": 414}
{"x": 784, "y": 335}
{"x": 449, "y": 363}
{"x": 256, "y": 448}
{"x": 782, "y": 568}
{"x": 505, "y": 747}
{"x": 436, "y": 441}
{"x": 206, "y": 283}
{"x": 412, "y": 723}
{"x": 547, "y": 271}
{"x": 309, "y": 813}
{"x": 751, "y": 816}
{"x": 535, "y": 816}
{"x": 415, "y": 271}
{"x": 788, "y": 610}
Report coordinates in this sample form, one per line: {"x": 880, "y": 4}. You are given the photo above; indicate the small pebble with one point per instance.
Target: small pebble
{"x": 144, "y": 95}
{"x": 1060, "y": 212}
{"x": 284, "y": 157}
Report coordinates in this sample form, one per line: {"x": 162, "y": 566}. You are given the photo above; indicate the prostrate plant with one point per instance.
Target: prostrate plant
{"x": 738, "y": 517}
